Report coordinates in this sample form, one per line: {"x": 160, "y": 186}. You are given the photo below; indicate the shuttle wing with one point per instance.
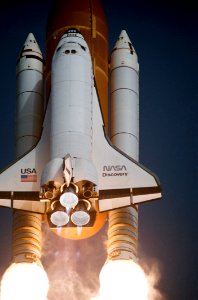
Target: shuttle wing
{"x": 20, "y": 182}
{"x": 122, "y": 180}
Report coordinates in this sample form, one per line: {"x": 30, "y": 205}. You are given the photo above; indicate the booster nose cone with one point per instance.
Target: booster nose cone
{"x": 123, "y": 53}
{"x": 30, "y": 40}
{"x": 31, "y": 45}
{"x": 123, "y": 42}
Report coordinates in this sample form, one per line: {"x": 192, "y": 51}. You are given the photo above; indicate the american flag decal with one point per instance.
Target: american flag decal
{"x": 29, "y": 178}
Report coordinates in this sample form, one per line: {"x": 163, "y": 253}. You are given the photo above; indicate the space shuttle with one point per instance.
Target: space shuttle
{"x": 68, "y": 170}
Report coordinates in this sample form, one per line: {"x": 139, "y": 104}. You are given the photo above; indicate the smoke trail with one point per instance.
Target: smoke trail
{"x": 153, "y": 271}
{"x": 73, "y": 267}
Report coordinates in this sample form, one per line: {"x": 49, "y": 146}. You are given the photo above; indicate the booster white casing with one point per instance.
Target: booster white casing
{"x": 30, "y": 98}
{"x": 124, "y": 82}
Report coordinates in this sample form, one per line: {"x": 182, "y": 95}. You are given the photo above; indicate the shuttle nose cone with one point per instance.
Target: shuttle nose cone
{"x": 89, "y": 18}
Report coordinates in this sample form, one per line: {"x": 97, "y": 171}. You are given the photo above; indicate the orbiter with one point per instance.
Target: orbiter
{"x": 68, "y": 172}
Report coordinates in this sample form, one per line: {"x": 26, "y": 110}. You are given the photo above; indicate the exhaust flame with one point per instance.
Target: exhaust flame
{"x": 79, "y": 229}
{"x": 24, "y": 281}
{"x": 122, "y": 279}
{"x": 58, "y": 230}
{"x": 73, "y": 269}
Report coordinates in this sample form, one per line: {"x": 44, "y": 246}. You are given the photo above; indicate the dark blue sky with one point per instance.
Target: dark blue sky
{"x": 165, "y": 36}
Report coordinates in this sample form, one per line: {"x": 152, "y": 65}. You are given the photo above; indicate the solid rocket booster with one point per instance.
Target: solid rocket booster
{"x": 124, "y": 85}
{"x": 26, "y": 232}
{"x": 65, "y": 177}
{"x": 124, "y": 89}
{"x": 26, "y": 237}
{"x": 29, "y": 92}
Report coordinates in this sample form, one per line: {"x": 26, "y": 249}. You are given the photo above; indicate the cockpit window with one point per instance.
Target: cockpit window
{"x": 73, "y": 51}
{"x": 67, "y": 51}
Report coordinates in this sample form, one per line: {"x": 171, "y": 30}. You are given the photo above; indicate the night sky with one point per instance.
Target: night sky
{"x": 165, "y": 36}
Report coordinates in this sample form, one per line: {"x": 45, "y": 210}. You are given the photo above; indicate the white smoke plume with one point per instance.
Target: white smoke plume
{"x": 153, "y": 271}
{"x": 73, "y": 267}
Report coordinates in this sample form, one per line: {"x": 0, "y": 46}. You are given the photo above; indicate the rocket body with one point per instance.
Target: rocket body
{"x": 124, "y": 82}
{"x": 68, "y": 173}
{"x": 30, "y": 96}
{"x": 73, "y": 176}
{"x": 124, "y": 90}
